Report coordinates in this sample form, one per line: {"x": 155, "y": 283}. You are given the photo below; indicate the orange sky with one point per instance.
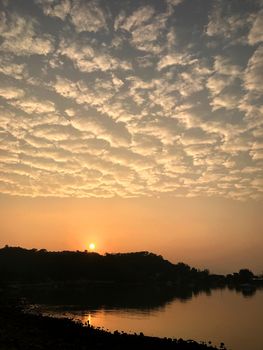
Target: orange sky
{"x": 145, "y": 100}
{"x": 222, "y": 235}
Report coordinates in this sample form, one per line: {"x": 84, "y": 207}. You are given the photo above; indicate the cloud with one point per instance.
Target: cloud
{"x": 145, "y": 28}
{"x": 137, "y": 19}
{"x": 191, "y": 81}
{"x": 258, "y": 183}
{"x": 222, "y": 84}
{"x": 255, "y": 35}
{"x": 178, "y": 84}
{"x": 257, "y": 151}
{"x": 236, "y": 145}
{"x": 33, "y": 105}
{"x": 218, "y": 83}
{"x": 88, "y": 59}
{"x": 256, "y": 154}
{"x": 114, "y": 132}
{"x": 87, "y": 16}
{"x": 56, "y": 132}
{"x": 174, "y": 2}
{"x": 223, "y": 65}
{"x": 226, "y": 23}
{"x": 131, "y": 102}
{"x": 14, "y": 70}
{"x": 20, "y": 38}
{"x": 235, "y": 25}
{"x": 129, "y": 158}
{"x": 254, "y": 72}
{"x": 181, "y": 59}
{"x": 95, "y": 96}
{"x": 146, "y": 144}
{"x": 198, "y": 150}
{"x": 5, "y": 117}
{"x": 145, "y": 38}
{"x": 60, "y": 9}
{"x": 227, "y": 101}
{"x": 10, "y": 93}
{"x": 251, "y": 106}
{"x": 66, "y": 87}
{"x": 197, "y": 137}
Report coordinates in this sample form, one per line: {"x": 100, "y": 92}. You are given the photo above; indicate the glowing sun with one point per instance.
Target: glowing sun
{"x": 92, "y": 246}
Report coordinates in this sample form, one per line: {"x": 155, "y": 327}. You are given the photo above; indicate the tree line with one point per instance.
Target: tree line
{"x": 32, "y": 265}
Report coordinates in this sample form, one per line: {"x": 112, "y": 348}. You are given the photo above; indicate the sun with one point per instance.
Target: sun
{"x": 92, "y": 246}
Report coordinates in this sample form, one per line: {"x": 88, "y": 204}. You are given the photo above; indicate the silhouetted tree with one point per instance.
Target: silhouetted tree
{"x": 245, "y": 275}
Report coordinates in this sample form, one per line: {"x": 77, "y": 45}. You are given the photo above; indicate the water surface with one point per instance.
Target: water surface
{"x": 218, "y": 316}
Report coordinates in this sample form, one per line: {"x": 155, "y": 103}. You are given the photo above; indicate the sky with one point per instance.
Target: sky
{"x": 136, "y": 124}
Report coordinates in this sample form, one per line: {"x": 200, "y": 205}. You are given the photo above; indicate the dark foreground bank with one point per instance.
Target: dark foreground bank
{"x": 25, "y": 331}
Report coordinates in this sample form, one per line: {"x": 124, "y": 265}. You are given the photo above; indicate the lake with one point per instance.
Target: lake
{"x": 219, "y": 315}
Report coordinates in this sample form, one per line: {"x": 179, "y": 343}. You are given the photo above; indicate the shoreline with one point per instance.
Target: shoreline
{"x": 21, "y": 330}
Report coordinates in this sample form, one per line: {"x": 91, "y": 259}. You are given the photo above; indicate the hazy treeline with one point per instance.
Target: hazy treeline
{"x": 23, "y": 265}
